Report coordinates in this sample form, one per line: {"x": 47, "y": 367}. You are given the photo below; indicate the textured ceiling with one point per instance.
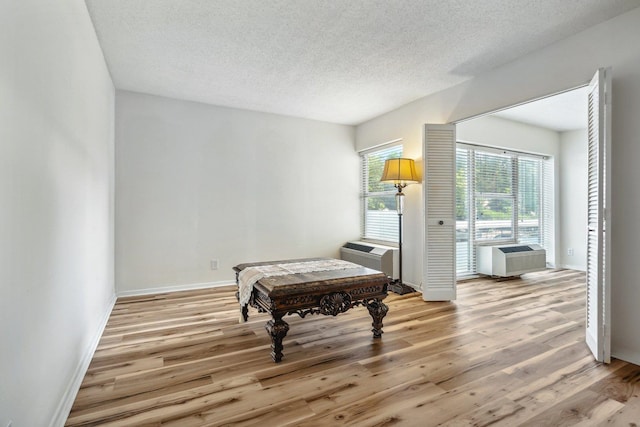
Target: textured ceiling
{"x": 342, "y": 61}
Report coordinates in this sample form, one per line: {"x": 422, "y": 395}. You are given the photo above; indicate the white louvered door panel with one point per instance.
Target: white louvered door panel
{"x": 439, "y": 268}
{"x": 548, "y": 211}
{"x": 598, "y": 214}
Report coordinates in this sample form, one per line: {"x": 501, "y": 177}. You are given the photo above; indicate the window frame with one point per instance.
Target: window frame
{"x": 365, "y": 195}
{"x": 472, "y": 195}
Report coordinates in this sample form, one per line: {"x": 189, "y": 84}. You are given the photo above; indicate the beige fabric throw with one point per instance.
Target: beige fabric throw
{"x": 250, "y": 275}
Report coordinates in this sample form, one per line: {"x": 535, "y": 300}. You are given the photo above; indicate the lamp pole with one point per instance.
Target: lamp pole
{"x": 399, "y": 287}
{"x": 400, "y": 208}
{"x": 400, "y": 172}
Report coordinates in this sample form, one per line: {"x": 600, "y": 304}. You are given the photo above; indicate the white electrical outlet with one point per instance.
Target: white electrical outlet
{"x": 214, "y": 264}
{"x": 570, "y": 251}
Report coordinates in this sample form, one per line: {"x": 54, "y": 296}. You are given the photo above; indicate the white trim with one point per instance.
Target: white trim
{"x": 386, "y": 243}
{"x": 379, "y": 146}
{"x": 627, "y": 355}
{"x": 66, "y": 402}
{"x": 413, "y": 285}
{"x": 500, "y": 150}
{"x": 174, "y": 288}
{"x": 572, "y": 267}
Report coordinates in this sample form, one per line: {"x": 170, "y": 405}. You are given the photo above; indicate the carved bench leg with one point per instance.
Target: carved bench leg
{"x": 278, "y": 329}
{"x": 378, "y": 310}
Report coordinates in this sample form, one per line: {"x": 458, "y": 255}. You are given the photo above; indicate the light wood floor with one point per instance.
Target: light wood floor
{"x": 505, "y": 353}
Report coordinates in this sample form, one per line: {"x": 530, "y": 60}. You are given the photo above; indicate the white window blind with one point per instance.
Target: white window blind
{"x": 494, "y": 197}
{"x": 530, "y": 204}
{"x": 500, "y": 198}
{"x": 464, "y": 225}
{"x": 379, "y": 215}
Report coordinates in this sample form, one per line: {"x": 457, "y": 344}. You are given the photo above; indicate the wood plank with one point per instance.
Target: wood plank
{"x": 584, "y": 408}
{"x": 504, "y": 354}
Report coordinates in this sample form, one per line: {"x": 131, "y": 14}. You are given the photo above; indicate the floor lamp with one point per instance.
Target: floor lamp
{"x": 400, "y": 172}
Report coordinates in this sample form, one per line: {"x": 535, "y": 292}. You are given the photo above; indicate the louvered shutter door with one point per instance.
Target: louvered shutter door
{"x": 548, "y": 211}
{"x": 439, "y": 272}
{"x": 598, "y": 272}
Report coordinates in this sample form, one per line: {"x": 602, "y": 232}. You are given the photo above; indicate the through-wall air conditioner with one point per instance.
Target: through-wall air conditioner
{"x": 378, "y": 257}
{"x": 510, "y": 260}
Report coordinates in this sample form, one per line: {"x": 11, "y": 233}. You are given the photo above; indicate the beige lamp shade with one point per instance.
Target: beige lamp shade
{"x": 399, "y": 171}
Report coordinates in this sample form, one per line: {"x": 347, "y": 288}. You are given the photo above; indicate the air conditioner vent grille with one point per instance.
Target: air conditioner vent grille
{"x": 358, "y": 247}
{"x": 512, "y": 249}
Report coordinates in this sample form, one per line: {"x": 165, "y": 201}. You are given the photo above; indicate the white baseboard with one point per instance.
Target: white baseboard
{"x": 417, "y": 288}
{"x": 626, "y": 355}
{"x": 71, "y": 391}
{"x": 174, "y": 288}
{"x": 573, "y": 267}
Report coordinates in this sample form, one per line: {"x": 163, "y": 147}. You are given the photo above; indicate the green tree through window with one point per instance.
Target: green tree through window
{"x": 498, "y": 198}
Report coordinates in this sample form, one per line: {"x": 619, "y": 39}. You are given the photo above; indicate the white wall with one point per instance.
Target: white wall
{"x": 195, "y": 182}
{"x": 56, "y": 211}
{"x": 567, "y": 64}
{"x": 573, "y": 203}
{"x": 502, "y": 133}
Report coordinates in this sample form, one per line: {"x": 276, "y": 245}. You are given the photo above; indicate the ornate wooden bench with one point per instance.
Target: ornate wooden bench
{"x": 318, "y": 292}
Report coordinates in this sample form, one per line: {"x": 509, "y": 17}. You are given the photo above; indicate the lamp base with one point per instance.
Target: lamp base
{"x": 399, "y": 288}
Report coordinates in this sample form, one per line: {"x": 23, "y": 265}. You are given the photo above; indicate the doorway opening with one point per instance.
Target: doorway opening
{"x": 521, "y": 178}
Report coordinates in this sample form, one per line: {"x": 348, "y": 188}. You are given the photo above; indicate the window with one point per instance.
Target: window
{"x": 499, "y": 199}
{"x": 379, "y": 215}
